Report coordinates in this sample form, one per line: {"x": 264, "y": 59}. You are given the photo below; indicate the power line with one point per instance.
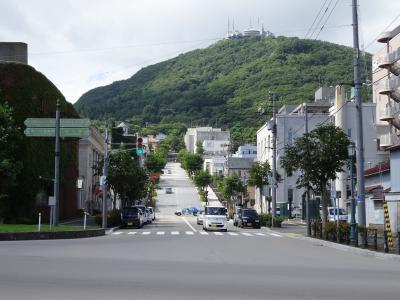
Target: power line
{"x": 321, "y": 18}
{"x": 337, "y": 1}
{"x": 315, "y": 19}
{"x": 390, "y": 24}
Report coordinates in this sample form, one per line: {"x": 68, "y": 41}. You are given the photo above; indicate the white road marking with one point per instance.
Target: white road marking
{"x": 233, "y": 233}
{"x": 117, "y": 232}
{"x": 132, "y": 232}
{"x": 259, "y": 233}
{"x": 146, "y": 233}
{"x": 160, "y": 232}
{"x": 174, "y": 232}
{"x": 203, "y": 233}
{"x": 275, "y": 234}
{"x": 246, "y": 234}
{"x": 189, "y": 232}
{"x": 188, "y": 224}
{"x": 218, "y": 233}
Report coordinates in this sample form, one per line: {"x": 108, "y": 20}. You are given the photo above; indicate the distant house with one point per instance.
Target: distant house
{"x": 125, "y": 128}
{"x": 246, "y": 150}
{"x": 240, "y": 166}
{"x": 216, "y": 139}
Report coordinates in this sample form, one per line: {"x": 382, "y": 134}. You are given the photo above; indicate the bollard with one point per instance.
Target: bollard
{"x": 84, "y": 220}
{"x": 385, "y": 242}
{"x": 376, "y": 239}
{"x": 40, "y": 221}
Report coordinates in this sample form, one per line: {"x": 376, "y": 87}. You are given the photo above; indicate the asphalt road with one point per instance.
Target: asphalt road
{"x": 174, "y": 259}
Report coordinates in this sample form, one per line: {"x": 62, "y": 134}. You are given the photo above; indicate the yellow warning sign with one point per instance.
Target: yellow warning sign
{"x": 387, "y": 225}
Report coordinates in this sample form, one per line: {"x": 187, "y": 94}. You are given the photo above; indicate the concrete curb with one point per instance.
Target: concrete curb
{"x": 346, "y": 248}
{"x": 51, "y": 235}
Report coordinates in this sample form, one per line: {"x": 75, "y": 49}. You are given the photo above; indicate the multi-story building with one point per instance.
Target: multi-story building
{"x": 215, "y": 165}
{"x": 290, "y": 121}
{"x": 197, "y": 135}
{"x": 246, "y": 150}
{"x": 386, "y": 88}
{"x": 91, "y": 153}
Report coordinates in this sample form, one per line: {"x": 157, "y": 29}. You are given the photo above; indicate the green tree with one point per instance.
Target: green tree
{"x": 199, "y": 148}
{"x": 10, "y": 136}
{"x": 202, "y": 179}
{"x": 232, "y": 186}
{"x": 155, "y": 162}
{"x": 258, "y": 175}
{"x": 126, "y": 177}
{"x": 192, "y": 163}
{"x": 318, "y": 155}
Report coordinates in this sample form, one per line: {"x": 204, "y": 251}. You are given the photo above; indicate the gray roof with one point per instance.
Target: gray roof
{"x": 243, "y": 163}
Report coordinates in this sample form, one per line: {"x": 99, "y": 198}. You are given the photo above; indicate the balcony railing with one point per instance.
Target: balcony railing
{"x": 387, "y": 113}
{"x": 390, "y": 61}
{"x": 391, "y": 88}
{"x": 386, "y": 140}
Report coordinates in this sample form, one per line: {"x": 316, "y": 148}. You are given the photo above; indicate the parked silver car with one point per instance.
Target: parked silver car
{"x": 200, "y": 217}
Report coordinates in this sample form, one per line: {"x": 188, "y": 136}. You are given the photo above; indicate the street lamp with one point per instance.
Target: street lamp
{"x": 353, "y": 224}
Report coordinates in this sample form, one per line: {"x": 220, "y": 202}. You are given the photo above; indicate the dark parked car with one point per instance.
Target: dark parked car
{"x": 132, "y": 216}
{"x": 248, "y": 217}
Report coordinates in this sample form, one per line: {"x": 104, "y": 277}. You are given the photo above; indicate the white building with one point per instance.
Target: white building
{"x": 215, "y": 165}
{"x": 246, "y": 150}
{"x": 290, "y": 125}
{"x": 91, "y": 153}
{"x": 196, "y": 135}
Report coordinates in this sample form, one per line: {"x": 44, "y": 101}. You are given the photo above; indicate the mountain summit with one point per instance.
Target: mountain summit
{"x": 223, "y": 84}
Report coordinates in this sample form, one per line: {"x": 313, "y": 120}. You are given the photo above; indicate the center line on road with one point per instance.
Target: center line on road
{"x": 246, "y": 234}
{"x": 233, "y": 233}
{"x": 146, "y": 233}
{"x": 218, "y": 233}
{"x": 174, "y": 232}
{"x": 132, "y": 232}
{"x": 189, "y": 232}
{"x": 117, "y": 233}
{"x": 203, "y": 233}
{"x": 259, "y": 233}
{"x": 275, "y": 234}
{"x": 188, "y": 224}
{"x": 160, "y": 233}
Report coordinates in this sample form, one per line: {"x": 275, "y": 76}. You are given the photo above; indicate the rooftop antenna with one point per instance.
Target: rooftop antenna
{"x": 228, "y": 26}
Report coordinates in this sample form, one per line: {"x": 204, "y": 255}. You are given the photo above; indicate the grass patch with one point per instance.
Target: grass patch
{"x": 11, "y": 228}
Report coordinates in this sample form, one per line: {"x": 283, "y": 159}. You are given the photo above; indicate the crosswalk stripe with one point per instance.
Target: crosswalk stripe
{"x": 146, "y": 233}
{"x": 203, "y": 233}
{"x": 233, "y": 233}
{"x": 174, "y": 232}
{"x": 275, "y": 234}
{"x": 218, "y": 233}
{"x": 246, "y": 234}
{"x": 259, "y": 233}
{"x": 160, "y": 233}
{"x": 132, "y": 232}
{"x": 189, "y": 232}
{"x": 117, "y": 232}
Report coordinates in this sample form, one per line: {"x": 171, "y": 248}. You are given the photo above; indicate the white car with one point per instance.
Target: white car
{"x": 151, "y": 213}
{"x": 200, "y": 218}
{"x": 215, "y": 218}
{"x": 333, "y": 214}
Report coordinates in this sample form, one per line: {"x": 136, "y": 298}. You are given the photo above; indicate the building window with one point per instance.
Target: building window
{"x": 290, "y": 136}
{"x": 349, "y": 132}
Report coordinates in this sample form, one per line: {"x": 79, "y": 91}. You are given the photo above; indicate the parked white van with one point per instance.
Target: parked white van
{"x": 215, "y": 218}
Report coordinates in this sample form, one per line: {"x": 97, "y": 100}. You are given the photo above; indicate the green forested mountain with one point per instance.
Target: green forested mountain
{"x": 224, "y": 84}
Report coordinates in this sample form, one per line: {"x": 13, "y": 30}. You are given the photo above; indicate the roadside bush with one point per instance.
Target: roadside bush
{"x": 330, "y": 230}
{"x": 98, "y": 219}
{"x": 278, "y": 221}
{"x": 344, "y": 231}
{"x": 265, "y": 220}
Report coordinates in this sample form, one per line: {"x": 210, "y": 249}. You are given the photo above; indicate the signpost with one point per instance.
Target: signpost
{"x": 57, "y": 128}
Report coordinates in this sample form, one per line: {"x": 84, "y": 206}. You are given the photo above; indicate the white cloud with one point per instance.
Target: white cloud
{"x": 80, "y": 45}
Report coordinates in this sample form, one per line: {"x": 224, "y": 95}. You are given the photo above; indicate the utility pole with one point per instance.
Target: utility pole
{"x": 57, "y": 166}
{"x": 353, "y": 229}
{"x": 104, "y": 180}
{"x": 273, "y": 160}
{"x": 360, "y": 138}
{"x": 308, "y": 187}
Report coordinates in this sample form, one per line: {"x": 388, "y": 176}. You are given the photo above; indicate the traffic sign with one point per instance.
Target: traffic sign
{"x": 51, "y": 132}
{"x": 49, "y": 122}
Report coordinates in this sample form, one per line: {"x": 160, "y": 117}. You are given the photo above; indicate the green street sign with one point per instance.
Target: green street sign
{"x": 51, "y": 132}
{"x": 49, "y": 122}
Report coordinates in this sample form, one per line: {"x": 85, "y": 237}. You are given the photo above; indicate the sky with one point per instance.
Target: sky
{"x": 83, "y": 44}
